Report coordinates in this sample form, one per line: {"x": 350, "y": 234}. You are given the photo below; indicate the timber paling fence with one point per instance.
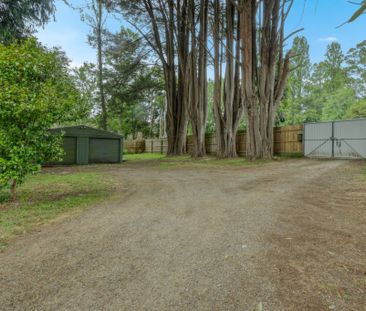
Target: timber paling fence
{"x": 287, "y": 140}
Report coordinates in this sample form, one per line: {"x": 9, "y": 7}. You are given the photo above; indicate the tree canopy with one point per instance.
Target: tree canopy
{"x": 332, "y": 89}
{"x": 18, "y": 18}
{"x": 37, "y": 93}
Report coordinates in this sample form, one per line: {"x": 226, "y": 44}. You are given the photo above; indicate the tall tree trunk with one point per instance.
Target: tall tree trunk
{"x": 152, "y": 113}
{"x": 219, "y": 122}
{"x": 162, "y": 118}
{"x": 248, "y": 43}
{"x": 176, "y": 113}
{"x": 99, "y": 34}
{"x": 202, "y": 79}
{"x": 196, "y": 78}
{"x": 264, "y": 73}
{"x": 228, "y": 111}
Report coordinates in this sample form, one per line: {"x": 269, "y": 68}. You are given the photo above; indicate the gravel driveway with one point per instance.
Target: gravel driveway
{"x": 289, "y": 235}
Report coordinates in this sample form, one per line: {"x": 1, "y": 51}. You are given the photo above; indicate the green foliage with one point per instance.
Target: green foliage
{"x": 85, "y": 80}
{"x": 18, "y": 18}
{"x": 36, "y": 93}
{"x": 134, "y": 87}
{"x": 302, "y": 67}
{"x": 356, "y": 68}
{"x": 337, "y": 104}
{"x": 334, "y": 74}
{"x": 329, "y": 90}
{"x": 357, "y": 110}
{"x": 294, "y": 103}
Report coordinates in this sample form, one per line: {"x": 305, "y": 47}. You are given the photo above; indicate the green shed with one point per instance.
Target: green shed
{"x": 86, "y": 145}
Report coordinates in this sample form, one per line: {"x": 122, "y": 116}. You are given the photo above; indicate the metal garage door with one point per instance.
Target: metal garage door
{"x": 104, "y": 150}
{"x": 339, "y": 139}
{"x": 69, "y": 146}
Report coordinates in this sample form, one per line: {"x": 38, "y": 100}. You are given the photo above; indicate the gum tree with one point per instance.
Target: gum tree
{"x": 265, "y": 69}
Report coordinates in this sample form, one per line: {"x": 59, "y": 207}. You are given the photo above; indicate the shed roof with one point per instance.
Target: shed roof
{"x": 86, "y": 131}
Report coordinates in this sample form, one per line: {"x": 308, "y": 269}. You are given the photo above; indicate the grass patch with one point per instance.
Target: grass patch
{"x": 45, "y": 196}
{"x": 186, "y": 161}
{"x": 143, "y": 157}
{"x": 207, "y": 162}
{"x": 290, "y": 155}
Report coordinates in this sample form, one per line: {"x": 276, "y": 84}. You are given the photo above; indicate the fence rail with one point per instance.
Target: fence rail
{"x": 156, "y": 145}
{"x": 286, "y": 140}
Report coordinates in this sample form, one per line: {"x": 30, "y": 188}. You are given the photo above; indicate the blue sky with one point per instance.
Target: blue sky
{"x": 319, "y": 18}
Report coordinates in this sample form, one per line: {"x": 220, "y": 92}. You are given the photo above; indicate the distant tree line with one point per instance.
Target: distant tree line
{"x": 332, "y": 89}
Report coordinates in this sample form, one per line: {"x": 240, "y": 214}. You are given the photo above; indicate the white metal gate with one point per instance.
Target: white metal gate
{"x": 338, "y": 139}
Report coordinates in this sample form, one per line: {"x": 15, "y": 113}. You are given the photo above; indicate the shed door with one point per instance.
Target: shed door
{"x": 69, "y": 146}
{"x": 103, "y": 150}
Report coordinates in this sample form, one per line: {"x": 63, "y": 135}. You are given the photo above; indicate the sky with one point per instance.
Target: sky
{"x": 319, "y": 18}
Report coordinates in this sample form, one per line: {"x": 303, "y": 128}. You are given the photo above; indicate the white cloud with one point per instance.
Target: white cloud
{"x": 328, "y": 39}
{"x": 75, "y": 64}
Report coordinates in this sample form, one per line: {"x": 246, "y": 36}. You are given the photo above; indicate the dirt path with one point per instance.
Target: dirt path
{"x": 289, "y": 235}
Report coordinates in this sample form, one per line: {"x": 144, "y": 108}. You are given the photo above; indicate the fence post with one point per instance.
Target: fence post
{"x": 161, "y": 146}
{"x": 152, "y": 146}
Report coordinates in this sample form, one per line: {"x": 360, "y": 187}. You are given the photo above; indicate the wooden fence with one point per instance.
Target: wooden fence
{"x": 134, "y": 146}
{"x": 211, "y": 145}
{"x": 156, "y": 145}
{"x": 287, "y": 139}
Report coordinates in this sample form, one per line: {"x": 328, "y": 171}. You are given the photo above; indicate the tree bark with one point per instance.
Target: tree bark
{"x": 176, "y": 112}
{"x": 197, "y": 76}
{"x": 248, "y": 43}
{"x": 228, "y": 111}
{"x": 99, "y": 30}
{"x": 162, "y": 127}
{"x": 264, "y": 73}
{"x": 219, "y": 122}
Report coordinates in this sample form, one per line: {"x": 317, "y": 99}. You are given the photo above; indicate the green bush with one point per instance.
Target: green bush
{"x": 36, "y": 93}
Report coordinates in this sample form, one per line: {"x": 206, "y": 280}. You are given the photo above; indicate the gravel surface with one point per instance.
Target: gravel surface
{"x": 290, "y": 235}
